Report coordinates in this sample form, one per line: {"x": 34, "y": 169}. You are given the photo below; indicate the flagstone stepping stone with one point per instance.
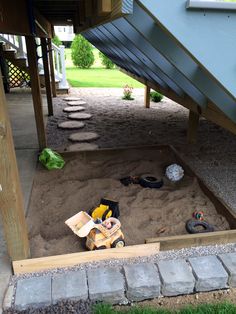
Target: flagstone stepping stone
{"x": 73, "y": 109}
{"x": 72, "y": 98}
{"x": 80, "y": 116}
{"x": 71, "y": 125}
{"x": 82, "y": 147}
{"x": 76, "y": 103}
{"x": 83, "y": 136}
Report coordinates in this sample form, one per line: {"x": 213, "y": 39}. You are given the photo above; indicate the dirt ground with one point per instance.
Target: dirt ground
{"x": 174, "y": 303}
{"x": 58, "y": 195}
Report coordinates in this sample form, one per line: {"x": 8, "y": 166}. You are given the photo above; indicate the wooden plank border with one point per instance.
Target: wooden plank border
{"x": 191, "y": 240}
{"x": 70, "y": 260}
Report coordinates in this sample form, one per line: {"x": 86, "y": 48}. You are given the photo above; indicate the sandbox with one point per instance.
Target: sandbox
{"x": 90, "y": 176}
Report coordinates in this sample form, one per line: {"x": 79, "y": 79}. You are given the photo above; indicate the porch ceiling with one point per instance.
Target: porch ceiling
{"x": 61, "y": 11}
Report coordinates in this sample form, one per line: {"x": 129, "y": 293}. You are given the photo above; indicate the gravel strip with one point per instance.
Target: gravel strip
{"x": 163, "y": 255}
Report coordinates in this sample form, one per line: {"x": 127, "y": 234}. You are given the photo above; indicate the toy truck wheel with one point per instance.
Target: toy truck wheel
{"x": 102, "y": 247}
{"x": 118, "y": 243}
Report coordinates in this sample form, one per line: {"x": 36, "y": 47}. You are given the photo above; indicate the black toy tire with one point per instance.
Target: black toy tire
{"x": 102, "y": 247}
{"x": 114, "y": 244}
{"x": 192, "y": 224}
{"x": 149, "y": 181}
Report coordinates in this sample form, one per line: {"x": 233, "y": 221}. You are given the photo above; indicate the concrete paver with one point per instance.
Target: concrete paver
{"x": 70, "y": 285}
{"x": 106, "y": 284}
{"x": 229, "y": 262}
{"x": 143, "y": 281}
{"x": 176, "y": 276}
{"x": 33, "y": 292}
{"x": 209, "y": 273}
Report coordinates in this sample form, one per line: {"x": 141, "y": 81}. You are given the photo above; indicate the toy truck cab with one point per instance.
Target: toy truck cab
{"x": 98, "y": 235}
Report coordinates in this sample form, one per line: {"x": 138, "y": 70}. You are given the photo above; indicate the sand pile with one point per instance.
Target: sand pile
{"x": 58, "y": 195}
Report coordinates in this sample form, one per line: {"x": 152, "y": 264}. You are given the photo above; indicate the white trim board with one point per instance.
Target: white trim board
{"x": 213, "y": 5}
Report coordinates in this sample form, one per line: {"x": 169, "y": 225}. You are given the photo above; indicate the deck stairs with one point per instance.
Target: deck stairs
{"x": 18, "y": 64}
{"x": 185, "y": 49}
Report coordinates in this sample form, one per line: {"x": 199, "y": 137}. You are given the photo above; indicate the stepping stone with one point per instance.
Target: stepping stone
{"x": 82, "y": 147}
{"x": 80, "y": 116}
{"x": 83, "y": 136}
{"x": 76, "y": 103}
{"x": 73, "y": 109}
{"x": 71, "y": 125}
{"x": 71, "y": 98}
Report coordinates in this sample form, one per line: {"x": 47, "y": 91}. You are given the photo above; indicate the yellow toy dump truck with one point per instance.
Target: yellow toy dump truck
{"x": 104, "y": 235}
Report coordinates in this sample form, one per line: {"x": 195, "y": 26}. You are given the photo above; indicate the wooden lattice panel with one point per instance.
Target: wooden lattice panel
{"x": 17, "y": 77}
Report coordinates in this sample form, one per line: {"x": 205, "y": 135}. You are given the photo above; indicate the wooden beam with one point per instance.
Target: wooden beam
{"x": 69, "y": 260}
{"x": 36, "y": 90}
{"x": 117, "y": 11}
{"x": 104, "y": 7}
{"x": 47, "y": 75}
{"x": 147, "y": 96}
{"x": 43, "y": 26}
{"x": 14, "y": 19}
{"x": 193, "y": 122}
{"x": 191, "y": 240}
{"x": 11, "y": 199}
{"x": 51, "y": 62}
{"x": 88, "y": 8}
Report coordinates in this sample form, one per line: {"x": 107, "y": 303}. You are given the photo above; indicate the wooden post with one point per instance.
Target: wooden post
{"x": 147, "y": 96}
{"x": 192, "y": 127}
{"x": 47, "y": 75}
{"x": 53, "y": 82}
{"x": 11, "y": 199}
{"x": 104, "y": 7}
{"x": 36, "y": 90}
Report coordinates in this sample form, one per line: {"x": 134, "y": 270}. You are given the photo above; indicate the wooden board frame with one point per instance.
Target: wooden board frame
{"x": 153, "y": 245}
{"x": 70, "y": 260}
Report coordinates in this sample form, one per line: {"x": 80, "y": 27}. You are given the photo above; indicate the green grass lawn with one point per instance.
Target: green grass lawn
{"x": 221, "y": 308}
{"x": 97, "y": 75}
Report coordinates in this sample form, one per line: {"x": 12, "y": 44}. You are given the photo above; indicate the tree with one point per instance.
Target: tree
{"x": 82, "y": 52}
{"x": 56, "y": 41}
{"x": 106, "y": 61}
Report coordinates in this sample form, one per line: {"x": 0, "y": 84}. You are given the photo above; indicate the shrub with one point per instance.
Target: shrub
{"x": 82, "y": 52}
{"x": 128, "y": 90}
{"x": 56, "y": 41}
{"x": 106, "y": 61}
{"x": 156, "y": 97}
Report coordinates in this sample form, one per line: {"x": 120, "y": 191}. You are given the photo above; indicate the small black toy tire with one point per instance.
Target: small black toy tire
{"x": 192, "y": 224}
{"x": 102, "y": 247}
{"x": 118, "y": 243}
{"x": 149, "y": 181}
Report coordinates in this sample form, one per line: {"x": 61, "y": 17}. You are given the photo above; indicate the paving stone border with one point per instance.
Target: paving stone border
{"x": 134, "y": 282}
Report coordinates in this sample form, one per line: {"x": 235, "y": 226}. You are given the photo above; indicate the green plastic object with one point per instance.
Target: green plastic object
{"x": 51, "y": 160}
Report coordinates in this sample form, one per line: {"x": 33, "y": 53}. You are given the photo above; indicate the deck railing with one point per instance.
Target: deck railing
{"x": 18, "y": 44}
